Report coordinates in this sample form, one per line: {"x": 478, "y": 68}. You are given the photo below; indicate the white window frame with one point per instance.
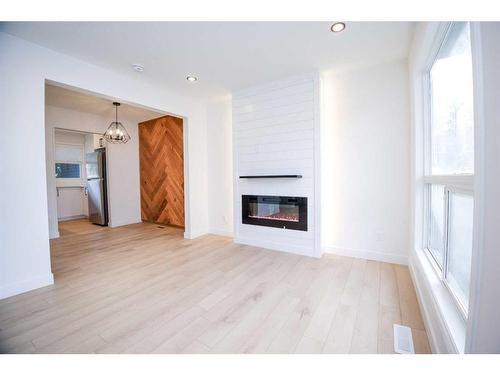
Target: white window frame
{"x": 71, "y": 180}
{"x": 463, "y": 183}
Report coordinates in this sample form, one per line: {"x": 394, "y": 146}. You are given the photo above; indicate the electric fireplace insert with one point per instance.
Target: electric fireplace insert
{"x": 275, "y": 211}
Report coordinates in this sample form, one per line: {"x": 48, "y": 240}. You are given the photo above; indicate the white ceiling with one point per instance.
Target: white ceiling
{"x": 226, "y": 56}
{"x": 82, "y": 102}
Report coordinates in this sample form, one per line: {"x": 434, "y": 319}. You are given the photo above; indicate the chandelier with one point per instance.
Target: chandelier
{"x": 116, "y": 132}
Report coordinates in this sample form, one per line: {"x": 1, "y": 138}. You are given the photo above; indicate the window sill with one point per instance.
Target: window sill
{"x": 444, "y": 321}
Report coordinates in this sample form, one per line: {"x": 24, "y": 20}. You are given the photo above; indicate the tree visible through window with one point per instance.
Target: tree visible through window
{"x": 69, "y": 159}
{"x": 452, "y": 129}
{"x": 67, "y": 170}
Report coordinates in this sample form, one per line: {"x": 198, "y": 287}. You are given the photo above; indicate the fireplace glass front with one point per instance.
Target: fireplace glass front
{"x": 275, "y": 211}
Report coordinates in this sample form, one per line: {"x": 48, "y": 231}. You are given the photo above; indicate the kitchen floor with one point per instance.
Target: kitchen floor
{"x": 143, "y": 288}
{"x": 80, "y": 226}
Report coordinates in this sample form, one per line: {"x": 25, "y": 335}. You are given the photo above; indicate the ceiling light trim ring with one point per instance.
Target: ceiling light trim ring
{"x": 337, "y": 27}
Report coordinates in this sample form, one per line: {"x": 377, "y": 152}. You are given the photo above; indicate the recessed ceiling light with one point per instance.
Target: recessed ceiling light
{"x": 192, "y": 78}
{"x": 138, "y": 67}
{"x": 337, "y": 27}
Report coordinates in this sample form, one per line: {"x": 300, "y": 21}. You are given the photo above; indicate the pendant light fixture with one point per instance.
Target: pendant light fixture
{"x": 116, "y": 132}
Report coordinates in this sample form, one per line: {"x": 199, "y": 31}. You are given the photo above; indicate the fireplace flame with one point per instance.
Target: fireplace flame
{"x": 279, "y": 216}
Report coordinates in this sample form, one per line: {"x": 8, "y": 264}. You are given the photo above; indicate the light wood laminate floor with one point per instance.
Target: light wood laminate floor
{"x": 144, "y": 289}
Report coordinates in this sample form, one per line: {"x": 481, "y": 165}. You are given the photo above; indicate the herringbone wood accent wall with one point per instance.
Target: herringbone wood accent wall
{"x": 162, "y": 171}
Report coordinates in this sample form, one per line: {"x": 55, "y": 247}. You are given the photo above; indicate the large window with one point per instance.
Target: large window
{"x": 449, "y": 162}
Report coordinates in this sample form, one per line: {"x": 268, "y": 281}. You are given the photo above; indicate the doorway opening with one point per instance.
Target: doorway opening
{"x": 81, "y": 180}
{"x": 88, "y": 178}
{"x": 81, "y": 165}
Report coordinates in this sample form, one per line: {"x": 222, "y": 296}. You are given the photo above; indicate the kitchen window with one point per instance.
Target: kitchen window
{"x": 68, "y": 170}
{"x": 68, "y": 161}
{"x": 449, "y": 162}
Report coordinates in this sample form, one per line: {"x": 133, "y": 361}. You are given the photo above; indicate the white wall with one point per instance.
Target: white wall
{"x": 24, "y": 232}
{"x": 365, "y": 162}
{"x": 220, "y": 166}
{"x": 123, "y": 164}
{"x": 275, "y": 128}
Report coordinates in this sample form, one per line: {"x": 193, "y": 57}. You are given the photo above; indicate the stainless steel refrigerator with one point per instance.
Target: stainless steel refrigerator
{"x": 96, "y": 186}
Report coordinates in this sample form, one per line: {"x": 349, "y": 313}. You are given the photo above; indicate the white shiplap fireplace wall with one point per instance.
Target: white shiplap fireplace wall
{"x": 276, "y": 131}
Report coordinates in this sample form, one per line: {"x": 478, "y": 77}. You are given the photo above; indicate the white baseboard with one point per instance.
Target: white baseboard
{"x": 221, "y": 232}
{"x": 367, "y": 254}
{"x": 26, "y": 285}
{"x": 294, "y": 249}
{"x": 444, "y": 326}
{"x": 53, "y": 235}
{"x": 68, "y": 218}
{"x": 193, "y": 235}
{"x": 115, "y": 224}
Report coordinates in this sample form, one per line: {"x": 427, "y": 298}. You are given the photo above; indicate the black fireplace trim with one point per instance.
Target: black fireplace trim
{"x": 300, "y": 225}
{"x": 274, "y": 176}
